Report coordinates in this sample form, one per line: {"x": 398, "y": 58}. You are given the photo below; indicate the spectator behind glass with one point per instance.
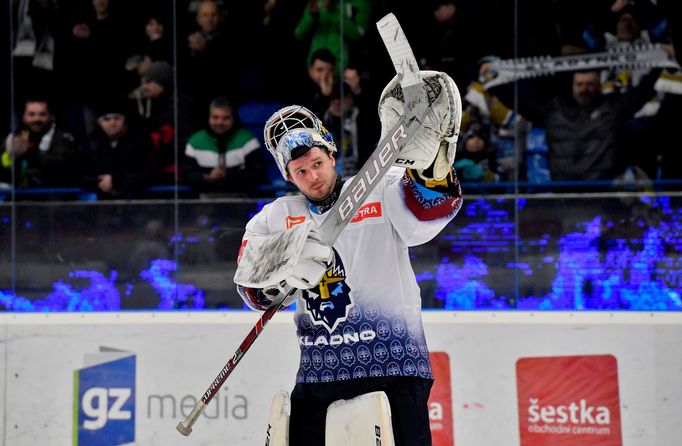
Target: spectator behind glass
{"x": 117, "y": 159}
{"x": 357, "y": 79}
{"x": 207, "y": 59}
{"x": 153, "y": 45}
{"x": 585, "y": 129}
{"x": 322, "y": 22}
{"x": 475, "y": 160}
{"x": 276, "y": 20}
{"x": 502, "y": 130}
{"x": 32, "y": 47}
{"x": 223, "y": 157}
{"x": 639, "y": 23}
{"x": 92, "y": 64}
{"x": 345, "y": 122}
{"x": 318, "y": 87}
{"x": 625, "y": 27}
{"x": 447, "y": 47}
{"x": 42, "y": 154}
{"x": 625, "y": 22}
{"x": 156, "y": 113}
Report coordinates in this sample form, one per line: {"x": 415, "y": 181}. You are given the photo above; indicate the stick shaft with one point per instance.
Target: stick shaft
{"x": 185, "y": 427}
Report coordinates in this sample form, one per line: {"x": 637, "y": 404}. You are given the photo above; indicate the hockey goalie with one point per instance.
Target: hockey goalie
{"x": 364, "y": 375}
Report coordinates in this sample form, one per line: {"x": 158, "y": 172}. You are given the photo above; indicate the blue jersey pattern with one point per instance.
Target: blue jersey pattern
{"x": 370, "y": 343}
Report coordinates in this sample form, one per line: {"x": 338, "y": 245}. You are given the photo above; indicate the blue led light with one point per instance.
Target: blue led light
{"x": 607, "y": 262}
{"x": 173, "y": 295}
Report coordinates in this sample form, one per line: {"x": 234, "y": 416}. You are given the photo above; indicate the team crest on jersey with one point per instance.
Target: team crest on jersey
{"x": 329, "y": 301}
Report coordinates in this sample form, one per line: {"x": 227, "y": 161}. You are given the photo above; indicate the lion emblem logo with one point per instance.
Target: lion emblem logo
{"x": 328, "y": 303}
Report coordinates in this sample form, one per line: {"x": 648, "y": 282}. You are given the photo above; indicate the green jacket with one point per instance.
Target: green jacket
{"x": 239, "y": 152}
{"x": 323, "y": 30}
{"x": 205, "y": 149}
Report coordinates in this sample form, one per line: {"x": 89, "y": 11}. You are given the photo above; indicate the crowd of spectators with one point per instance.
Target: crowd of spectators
{"x": 114, "y": 97}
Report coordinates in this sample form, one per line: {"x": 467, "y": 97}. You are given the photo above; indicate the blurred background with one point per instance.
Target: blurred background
{"x": 132, "y": 150}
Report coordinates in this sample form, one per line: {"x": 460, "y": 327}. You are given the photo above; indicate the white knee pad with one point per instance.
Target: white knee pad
{"x": 277, "y": 433}
{"x": 365, "y": 419}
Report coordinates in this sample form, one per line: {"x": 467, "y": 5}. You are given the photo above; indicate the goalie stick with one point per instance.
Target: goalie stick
{"x": 633, "y": 56}
{"x": 357, "y": 191}
{"x": 397, "y": 137}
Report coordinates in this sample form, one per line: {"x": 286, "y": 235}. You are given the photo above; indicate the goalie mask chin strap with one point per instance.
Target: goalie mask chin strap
{"x": 322, "y": 206}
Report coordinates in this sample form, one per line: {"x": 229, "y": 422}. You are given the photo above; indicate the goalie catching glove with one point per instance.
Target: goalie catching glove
{"x": 274, "y": 264}
{"x": 431, "y": 152}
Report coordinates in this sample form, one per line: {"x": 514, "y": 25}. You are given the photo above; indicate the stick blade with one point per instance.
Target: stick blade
{"x": 399, "y": 49}
{"x": 404, "y": 62}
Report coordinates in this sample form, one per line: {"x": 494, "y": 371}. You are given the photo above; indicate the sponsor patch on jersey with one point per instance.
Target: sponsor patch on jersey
{"x": 329, "y": 301}
{"x": 369, "y": 210}
{"x": 293, "y": 221}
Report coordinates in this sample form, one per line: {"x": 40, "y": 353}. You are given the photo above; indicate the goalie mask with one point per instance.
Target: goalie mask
{"x": 291, "y": 128}
{"x": 298, "y": 142}
{"x": 432, "y": 150}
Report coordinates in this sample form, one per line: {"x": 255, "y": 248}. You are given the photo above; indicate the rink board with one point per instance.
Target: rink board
{"x": 527, "y": 379}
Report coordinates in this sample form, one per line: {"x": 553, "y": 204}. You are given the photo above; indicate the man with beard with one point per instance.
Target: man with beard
{"x": 224, "y": 157}
{"x": 584, "y": 130}
{"x": 358, "y": 299}
{"x": 42, "y": 155}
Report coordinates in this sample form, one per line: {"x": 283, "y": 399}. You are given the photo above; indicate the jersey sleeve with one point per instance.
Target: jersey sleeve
{"x": 419, "y": 209}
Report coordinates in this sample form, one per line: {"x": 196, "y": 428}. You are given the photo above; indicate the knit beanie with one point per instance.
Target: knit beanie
{"x": 160, "y": 72}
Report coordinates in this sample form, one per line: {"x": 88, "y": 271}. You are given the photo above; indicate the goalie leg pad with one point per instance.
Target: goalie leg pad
{"x": 365, "y": 419}
{"x": 277, "y": 433}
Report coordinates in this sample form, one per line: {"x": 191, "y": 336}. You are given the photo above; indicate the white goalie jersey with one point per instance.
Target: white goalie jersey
{"x": 363, "y": 318}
